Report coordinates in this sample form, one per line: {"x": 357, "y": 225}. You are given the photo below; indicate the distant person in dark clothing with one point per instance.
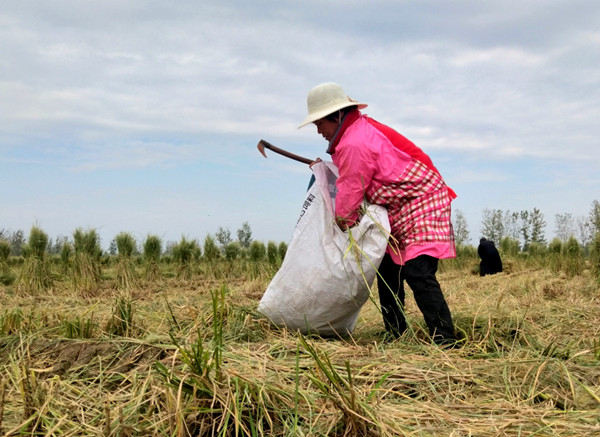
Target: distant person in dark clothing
{"x": 490, "y": 258}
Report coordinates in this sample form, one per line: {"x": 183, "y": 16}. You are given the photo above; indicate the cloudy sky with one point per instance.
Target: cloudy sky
{"x": 143, "y": 116}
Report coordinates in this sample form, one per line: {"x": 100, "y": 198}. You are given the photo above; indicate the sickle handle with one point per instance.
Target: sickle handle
{"x": 262, "y": 144}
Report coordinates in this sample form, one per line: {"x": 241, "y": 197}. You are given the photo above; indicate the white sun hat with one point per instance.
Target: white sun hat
{"x": 325, "y": 99}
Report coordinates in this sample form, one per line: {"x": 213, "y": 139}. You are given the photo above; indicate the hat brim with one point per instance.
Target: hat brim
{"x": 311, "y": 118}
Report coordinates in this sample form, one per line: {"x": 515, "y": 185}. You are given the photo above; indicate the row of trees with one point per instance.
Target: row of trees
{"x": 528, "y": 227}
{"x": 82, "y": 259}
{"x": 222, "y": 240}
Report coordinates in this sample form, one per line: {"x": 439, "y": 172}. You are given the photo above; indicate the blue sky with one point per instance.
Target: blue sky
{"x": 143, "y": 116}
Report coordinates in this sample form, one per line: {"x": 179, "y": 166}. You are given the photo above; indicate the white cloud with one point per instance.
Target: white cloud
{"x": 503, "y": 56}
{"x": 138, "y": 85}
{"x": 133, "y": 155}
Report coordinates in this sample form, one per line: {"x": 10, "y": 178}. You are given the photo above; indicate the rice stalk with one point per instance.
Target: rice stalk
{"x": 363, "y": 261}
{"x": 121, "y": 322}
{"x": 573, "y": 262}
{"x": 107, "y": 420}
{"x": 595, "y": 257}
{"x": 282, "y": 250}
{"x": 232, "y": 252}
{"x": 79, "y": 327}
{"x": 358, "y": 415}
{"x": 86, "y": 260}
{"x": 218, "y": 305}
{"x": 184, "y": 254}
{"x": 257, "y": 253}
{"x": 7, "y": 277}
{"x": 152, "y": 253}
{"x": 2, "y": 399}
{"x": 211, "y": 250}
{"x": 66, "y": 255}
{"x": 222, "y": 401}
{"x": 272, "y": 253}
{"x": 35, "y": 275}
{"x": 5, "y": 248}
{"x": 11, "y": 322}
{"x": 127, "y": 277}
{"x": 233, "y": 405}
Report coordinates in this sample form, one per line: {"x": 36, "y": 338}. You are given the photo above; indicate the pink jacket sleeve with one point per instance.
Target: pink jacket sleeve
{"x": 356, "y": 172}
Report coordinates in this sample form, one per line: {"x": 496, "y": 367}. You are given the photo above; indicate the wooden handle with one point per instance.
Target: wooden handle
{"x": 266, "y": 144}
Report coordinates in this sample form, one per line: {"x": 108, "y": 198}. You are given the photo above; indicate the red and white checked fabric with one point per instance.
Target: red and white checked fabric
{"x": 379, "y": 165}
{"x": 418, "y": 206}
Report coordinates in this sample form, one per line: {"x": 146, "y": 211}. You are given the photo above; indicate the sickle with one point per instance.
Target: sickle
{"x": 262, "y": 144}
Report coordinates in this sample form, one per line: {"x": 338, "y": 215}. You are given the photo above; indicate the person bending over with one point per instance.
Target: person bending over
{"x": 491, "y": 263}
{"x": 379, "y": 165}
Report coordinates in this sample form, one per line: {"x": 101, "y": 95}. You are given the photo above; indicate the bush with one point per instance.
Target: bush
{"x": 469, "y": 251}
{"x": 282, "y": 250}
{"x": 555, "y": 246}
{"x": 152, "y": 249}
{"x": 125, "y": 244}
{"x": 537, "y": 249}
{"x": 184, "y": 254}
{"x": 572, "y": 248}
{"x": 232, "y": 250}
{"x": 66, "y": 252}
{"x": 573, "y": 262}
{"x": 257, "y": 251}
{"x": 211, "y": 251}
{"x": 4, "y": 254}
{"x": 272, "y": 252}
{"x": 7, "y": 277}
{"x": 509, "y": 246}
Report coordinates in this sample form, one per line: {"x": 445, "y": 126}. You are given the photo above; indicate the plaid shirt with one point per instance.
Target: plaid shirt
{"x": 418, "y": 206}
{"x": 380, "y": 166}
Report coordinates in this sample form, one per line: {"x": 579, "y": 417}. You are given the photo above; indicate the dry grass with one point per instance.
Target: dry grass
{"x": 195, "y": 359}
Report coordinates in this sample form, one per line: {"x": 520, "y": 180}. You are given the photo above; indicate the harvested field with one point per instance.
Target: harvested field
{"x": 192, "y": 357}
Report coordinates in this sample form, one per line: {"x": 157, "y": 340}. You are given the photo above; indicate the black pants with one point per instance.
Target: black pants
{"x": 419, "y": 274}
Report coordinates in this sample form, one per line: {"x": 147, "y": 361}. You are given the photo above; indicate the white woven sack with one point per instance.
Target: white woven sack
{"x": 325, "y": 277}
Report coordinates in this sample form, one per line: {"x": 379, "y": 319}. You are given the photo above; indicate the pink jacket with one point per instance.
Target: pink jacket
{"x": 379, "y": 165}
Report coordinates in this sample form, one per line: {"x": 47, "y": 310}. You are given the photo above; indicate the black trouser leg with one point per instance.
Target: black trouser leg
{"x": 419, "y": 274}
{"x": 391, "y": 296}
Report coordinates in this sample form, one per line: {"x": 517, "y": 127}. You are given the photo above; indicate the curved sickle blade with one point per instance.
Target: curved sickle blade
{"x": 262, "y": 144}
{"x": 261, "y": 148}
